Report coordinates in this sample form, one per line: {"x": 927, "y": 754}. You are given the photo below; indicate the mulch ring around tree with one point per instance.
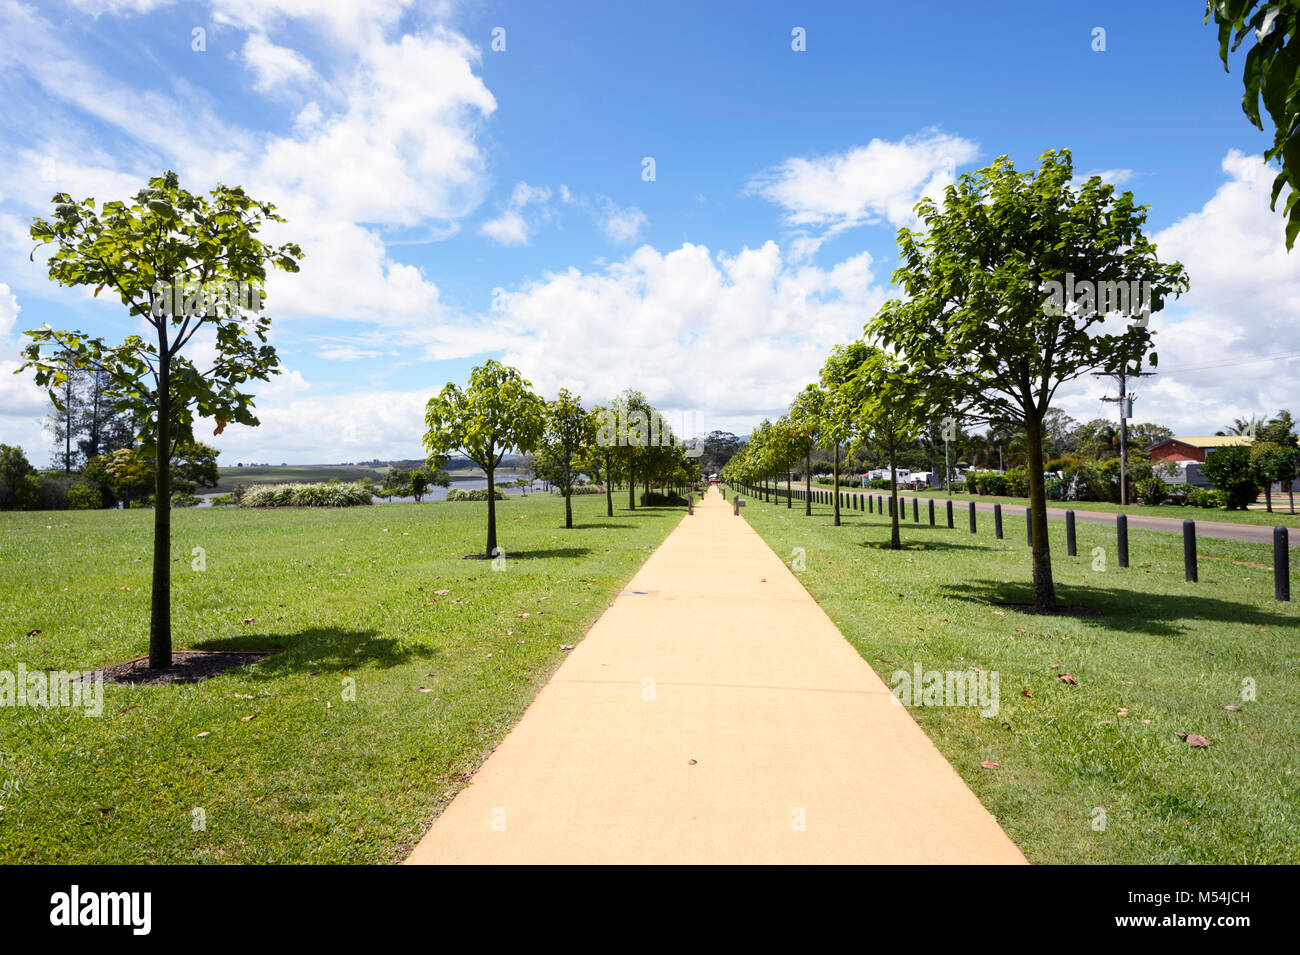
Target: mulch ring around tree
{"x": 188, "y": 666}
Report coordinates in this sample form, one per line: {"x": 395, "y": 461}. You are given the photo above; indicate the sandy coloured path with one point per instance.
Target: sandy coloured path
{"x": 714, "y": 714}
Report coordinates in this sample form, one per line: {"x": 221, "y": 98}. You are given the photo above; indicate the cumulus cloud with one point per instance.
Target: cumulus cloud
{"x": 1216, "y": 343}
{"x": 728, "y": 336}
{"x": 510, "y": 227}
{"x": 620, "y": 224}
{"x": 274, "y": 66}
{"x": 880, "y": 182}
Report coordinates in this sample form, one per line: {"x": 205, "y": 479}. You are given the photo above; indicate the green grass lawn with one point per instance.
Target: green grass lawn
{"x": 1166, "y": 651}
{"x": 1279, "y": 515}
{"x": 339, "y": 595}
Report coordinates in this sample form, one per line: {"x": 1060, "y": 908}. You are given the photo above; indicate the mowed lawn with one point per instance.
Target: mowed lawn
{"x": 1080, "y": 782}
{"x": 345, "y": 598}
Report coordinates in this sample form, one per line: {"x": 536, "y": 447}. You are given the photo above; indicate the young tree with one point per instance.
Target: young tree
{"x": 890, "y": 405}
{"x": 67, "y": 400}
{"x": 1273, "y": 462}
{"x": 601, "y": 454}
{"x": 497, "y": 412}
{"x": 808, "y": 418}
{"x": 841, "y": 425}
{"x": 994, "y": 308}
{"x": 569, "y": 428}
{"x": 164, "y": 245}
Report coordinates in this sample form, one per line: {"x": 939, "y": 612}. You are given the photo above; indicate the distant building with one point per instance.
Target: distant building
{"x": 1189, "y": 453}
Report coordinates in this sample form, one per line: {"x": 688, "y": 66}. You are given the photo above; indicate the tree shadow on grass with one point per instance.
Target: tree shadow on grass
{"x": 598, "y": 526}
{"x": 543, "y": 553}
{"x": 1124, "y": 608}
{"x": 321, "y": 649}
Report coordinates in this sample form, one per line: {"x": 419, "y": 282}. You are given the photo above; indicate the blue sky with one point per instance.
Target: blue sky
{"x": 457, "y": 202}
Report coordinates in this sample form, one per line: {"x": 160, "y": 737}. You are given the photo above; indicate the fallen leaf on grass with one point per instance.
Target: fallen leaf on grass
{"x": 1194, "y": 739}
{"x": 204, "y": 733}
{"x": 243, "y": 696}
{"x": 442, "y": 593}
{"x": 250, "y": 620}
{"x": 989, "y": 764}
{"x": 523, "y": 616}
{"x": 1027, "y": 692}
{"x": 1068, "y": 678}
{"x": 128, "y": 709}
{"x": 1122, "y": 712}
{"x": 32, "y": 633}
{"x": 1233, "y": 708}
{"x": 245, "y": 719}
{"x": 566, "y": 646}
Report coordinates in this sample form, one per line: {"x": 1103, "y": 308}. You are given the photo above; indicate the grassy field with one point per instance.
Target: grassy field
{"x": 1169, "y": 653}
{"x": 445, "y": 654}
{"x": 1279, "y": 515}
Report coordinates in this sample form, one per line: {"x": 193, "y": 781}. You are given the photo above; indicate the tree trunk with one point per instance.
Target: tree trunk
{"x": 609, "y": 488}
{"x": 160, "y": 598}
{"x": 807, "y": 484}
{"x": 1268, "y": 495}
{"x": 1044, "y": 590}
{"x": 631, "y": 485}
{"x": 492, "y": 513}
{"x": 568, "y": 494}
{"x": 789, "y": 495}
{"x": 895, "y": 541}
{"x": 836, "y": 496}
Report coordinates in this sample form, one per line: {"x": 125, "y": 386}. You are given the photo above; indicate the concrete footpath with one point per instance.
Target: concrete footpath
{"x": 714, "y": 714}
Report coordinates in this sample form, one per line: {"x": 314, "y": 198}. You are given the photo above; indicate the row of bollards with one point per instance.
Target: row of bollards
{"x": 875, "y": 504}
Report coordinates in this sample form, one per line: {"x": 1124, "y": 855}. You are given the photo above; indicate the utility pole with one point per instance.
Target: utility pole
{"x": 1125, "y": 402}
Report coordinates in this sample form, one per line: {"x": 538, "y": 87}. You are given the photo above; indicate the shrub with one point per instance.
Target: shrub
{"x": 1200, "y": 497}
{"x": 1016, "y": 482}
{"x": 306, "y": 495}
{"x": 1177, "y": 493}
{"x": 1230, "y": 470}
{"x": 582, "y": 489}
{"x": 84, "y": 497}
{"x": 478, "y": 494}
{"x": 185, "y": 499}
{"x": 224, "y": 500}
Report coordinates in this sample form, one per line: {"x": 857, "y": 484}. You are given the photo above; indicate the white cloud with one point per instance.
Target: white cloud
{"x": 274, "y": 66}
{"x": 511, "y": 227}
{"x": 1241, "y": 306}
{"x": 345, "y": 353}
{"x": 9, "y": 309}
{"x": 881, "y": 181}
{"x": 620, "y": 224}
{"x": 727, "y": 336}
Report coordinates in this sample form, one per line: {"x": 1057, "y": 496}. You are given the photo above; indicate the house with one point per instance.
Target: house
{"x": 1189, "y": 453}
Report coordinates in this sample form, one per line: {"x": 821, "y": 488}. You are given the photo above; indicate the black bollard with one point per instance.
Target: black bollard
{"x": 1189, "y": 550}
{"x": 950, "y": 514}
{"x": 972, "y": 517}
{"x": 997, "y": 521}
{"x": 871, "y": 505}
{"x": 1029, "y": 526}
{"x": 1071, "y": 548}
{"x": 932, "y": 512}
{"x": 916, "y": 511}
{"x": 1281, "y": 565}
{"x": 1121, "y": 535}
{"x": 891, "y": 505}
